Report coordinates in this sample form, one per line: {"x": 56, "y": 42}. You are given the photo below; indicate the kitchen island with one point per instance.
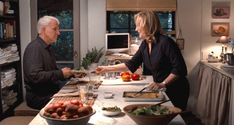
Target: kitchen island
{"x": 117, "y": 90}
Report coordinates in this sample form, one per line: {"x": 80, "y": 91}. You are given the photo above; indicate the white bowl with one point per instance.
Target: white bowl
{"x": 110, "y": 113}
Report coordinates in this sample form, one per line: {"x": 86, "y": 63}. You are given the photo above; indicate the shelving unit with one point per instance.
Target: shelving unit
{"x": 10, "y": 65}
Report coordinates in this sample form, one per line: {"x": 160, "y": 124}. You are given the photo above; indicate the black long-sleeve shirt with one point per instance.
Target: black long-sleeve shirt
{"x": 165, "y": 58}
{"x": 40, "y": 70}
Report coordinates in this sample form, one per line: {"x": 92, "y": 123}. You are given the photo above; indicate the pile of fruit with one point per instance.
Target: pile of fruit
{"x": 126, "y": 76}
{"x": 67, "y": 110}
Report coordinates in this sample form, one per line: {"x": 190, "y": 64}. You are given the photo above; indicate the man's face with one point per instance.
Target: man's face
{"x": 51, "y": 32}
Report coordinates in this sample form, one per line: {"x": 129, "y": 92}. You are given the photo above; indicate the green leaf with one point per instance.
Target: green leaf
{"x": 92, "y": 56}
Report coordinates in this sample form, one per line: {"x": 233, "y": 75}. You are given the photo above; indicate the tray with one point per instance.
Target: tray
{"x": 131, "y": 96}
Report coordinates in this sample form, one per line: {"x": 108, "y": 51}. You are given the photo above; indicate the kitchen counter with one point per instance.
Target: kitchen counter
{"x": 99, "y": 119}
{"x": 222, "y": 68}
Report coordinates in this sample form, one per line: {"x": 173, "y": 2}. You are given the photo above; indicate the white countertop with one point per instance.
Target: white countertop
{"x": 222, "y": 68}
{"x": 99, "y": 119}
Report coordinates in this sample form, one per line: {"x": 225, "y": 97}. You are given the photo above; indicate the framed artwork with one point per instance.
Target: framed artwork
{"x": 220, "y": 10}
{"x": 219, "y": 29}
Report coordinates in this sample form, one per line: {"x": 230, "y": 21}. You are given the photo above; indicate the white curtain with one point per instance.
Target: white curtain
{"x": 210, "y": 95}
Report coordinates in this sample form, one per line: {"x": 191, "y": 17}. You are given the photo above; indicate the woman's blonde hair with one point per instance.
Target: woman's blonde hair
{"x": 150, "y": 22}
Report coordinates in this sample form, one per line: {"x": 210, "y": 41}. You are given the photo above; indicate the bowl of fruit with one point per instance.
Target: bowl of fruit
{"x": 68, "y": 112}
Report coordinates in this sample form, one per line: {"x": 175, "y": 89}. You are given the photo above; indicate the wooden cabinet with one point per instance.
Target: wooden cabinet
{"x": 10, "y": 61}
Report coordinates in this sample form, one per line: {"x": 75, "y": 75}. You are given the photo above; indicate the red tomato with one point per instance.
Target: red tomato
{"x": 135, "y": 76}
{"x": 124, "y": 73}
{"x": 126, "y": 78}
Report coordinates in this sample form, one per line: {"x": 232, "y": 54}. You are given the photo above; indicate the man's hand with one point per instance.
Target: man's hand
{"x": 67, "y": 72}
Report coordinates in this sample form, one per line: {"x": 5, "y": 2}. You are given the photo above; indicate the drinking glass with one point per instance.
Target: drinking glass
{"x": 83, "y": 93}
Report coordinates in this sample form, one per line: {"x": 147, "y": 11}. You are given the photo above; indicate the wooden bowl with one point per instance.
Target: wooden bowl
{"x": 151, "y": 119}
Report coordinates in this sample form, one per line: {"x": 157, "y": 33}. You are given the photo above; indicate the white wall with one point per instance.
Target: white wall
{"x": 93, "y": 24}
{"x": 83, "y": 27}
{"x": 96, "y": 23}
{"x": 25, "y": 30}
{"x": 189, "y": 14}
{"x": 195, "y": 20}
{"x": 208, "y": 42}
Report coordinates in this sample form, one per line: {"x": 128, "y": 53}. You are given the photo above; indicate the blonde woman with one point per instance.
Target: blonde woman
{"x": 161, "y": 58}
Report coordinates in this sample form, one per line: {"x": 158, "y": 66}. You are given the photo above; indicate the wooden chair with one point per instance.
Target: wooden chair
{"x": 17, "y": 120}
{"x": 24, "y": 110}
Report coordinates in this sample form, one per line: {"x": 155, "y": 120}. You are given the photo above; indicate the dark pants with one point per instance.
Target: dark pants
{"x": 38, "y": 101}
{"x": 178, "y": 92}
{"x": 35, "y": 101}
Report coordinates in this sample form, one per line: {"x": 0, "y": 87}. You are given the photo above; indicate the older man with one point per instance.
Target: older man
{"x": 41, "y": 75}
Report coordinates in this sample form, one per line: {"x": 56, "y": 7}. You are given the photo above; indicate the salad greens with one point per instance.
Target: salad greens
{"x": 151, "y": 110}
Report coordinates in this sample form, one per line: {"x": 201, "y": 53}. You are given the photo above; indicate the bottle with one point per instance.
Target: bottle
{"x": 222, "y": 55}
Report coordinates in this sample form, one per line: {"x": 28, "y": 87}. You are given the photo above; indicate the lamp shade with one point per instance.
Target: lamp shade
{"x": 222, "y": 39}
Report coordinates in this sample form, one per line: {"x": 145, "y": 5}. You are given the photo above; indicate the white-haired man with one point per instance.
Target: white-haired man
{"x": 41, "y": 75}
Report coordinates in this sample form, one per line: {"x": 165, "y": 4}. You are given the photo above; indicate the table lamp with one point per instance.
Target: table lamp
{"x": 223, "y": 40}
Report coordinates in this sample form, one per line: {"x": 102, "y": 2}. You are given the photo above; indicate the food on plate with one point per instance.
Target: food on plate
{"x": 79, "y": 73}
{"x": 67, "y": 110}
{"x": 151, "y": 114}
{"x": 142, "y": 95}
{"x": 135, "y": 76}
{"x": 153, "y": 110}
{"x": 111, "y": 111}
{"x": 127, "y": 76}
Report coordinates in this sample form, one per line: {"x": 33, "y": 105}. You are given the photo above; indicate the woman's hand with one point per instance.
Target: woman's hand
{"x": 101, "y": 69}
{"x": 155, "y": 86}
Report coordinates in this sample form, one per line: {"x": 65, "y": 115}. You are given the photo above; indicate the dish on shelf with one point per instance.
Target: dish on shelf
{"x": 111, "y": 111}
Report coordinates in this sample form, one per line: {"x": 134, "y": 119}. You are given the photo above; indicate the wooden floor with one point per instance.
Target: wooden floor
{"x": 191, "y": 119}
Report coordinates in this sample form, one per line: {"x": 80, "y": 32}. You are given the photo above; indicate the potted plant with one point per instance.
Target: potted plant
{"x": 91, "y": 57}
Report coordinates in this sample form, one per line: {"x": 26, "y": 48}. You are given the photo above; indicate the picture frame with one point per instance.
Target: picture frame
{"x": 180, "y": 43}
{"x": 220, "y": 9}
{"x": 219, "y": 29}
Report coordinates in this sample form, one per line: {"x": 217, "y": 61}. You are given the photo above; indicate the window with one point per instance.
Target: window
{"x": 67, "y": 45}
{"x": 123, "y": 21}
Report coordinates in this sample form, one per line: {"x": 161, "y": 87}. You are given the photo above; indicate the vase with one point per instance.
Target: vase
{"x": 92, "y": 66}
